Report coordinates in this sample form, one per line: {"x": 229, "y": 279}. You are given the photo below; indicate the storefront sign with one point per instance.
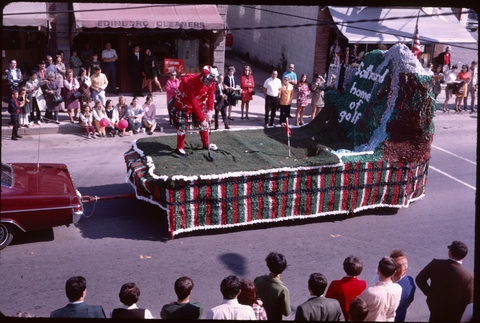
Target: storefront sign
{"x": 172, "y": 64}
{"x": 149, "y": 24}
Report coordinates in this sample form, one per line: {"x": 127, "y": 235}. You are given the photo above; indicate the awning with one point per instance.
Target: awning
{"x": 163, "y": 16}
{"x": 26, "y": 14}
{"x": 393, "y": 25}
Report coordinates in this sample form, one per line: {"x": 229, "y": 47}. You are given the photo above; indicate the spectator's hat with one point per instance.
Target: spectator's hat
{"x": 448, "y": 48}
{"x": 459, "y": 249}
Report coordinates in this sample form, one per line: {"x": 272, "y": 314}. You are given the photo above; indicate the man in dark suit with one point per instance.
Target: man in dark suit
{"x": 76, "y": 289}
{"x": 319, "y": 308}
{"x": 220, "y": 102}
{"x": 135, "y": 62}
{"x": 451, "y": 285}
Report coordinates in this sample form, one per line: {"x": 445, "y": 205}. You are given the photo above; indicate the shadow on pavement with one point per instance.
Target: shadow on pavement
{"x": 125, "y": 217}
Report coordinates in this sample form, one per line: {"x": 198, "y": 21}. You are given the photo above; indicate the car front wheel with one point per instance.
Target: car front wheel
{"x": 6, "y": 235}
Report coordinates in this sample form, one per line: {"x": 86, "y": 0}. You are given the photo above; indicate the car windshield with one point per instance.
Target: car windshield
{"x": 473, "y": 15}
{"x": 7, "y": 175}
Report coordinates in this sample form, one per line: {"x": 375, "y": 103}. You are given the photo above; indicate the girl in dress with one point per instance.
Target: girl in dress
{"x": 25, "y": 107}
{"x": 122, "y": 109}
{"x": 247, "y": 84}
{"x": 112, "y": 116}
{"x": 86, "y": 120}
{"x": 302, "y": 99}
{"x": 98, "y": 114}
{"x": 134, "y": 116}
{"x": 151, "y": 70}
{"x": 149, "y": 121}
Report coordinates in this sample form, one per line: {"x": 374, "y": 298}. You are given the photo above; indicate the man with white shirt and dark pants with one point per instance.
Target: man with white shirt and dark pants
{"x": 230, "y": 309}
{"x": 271, "y": 92}
{"x": 109, "y": 56}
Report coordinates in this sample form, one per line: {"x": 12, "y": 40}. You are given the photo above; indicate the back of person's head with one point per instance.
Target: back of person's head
{"x": 248, "y": 296}
{"x": 387, "y": 266}
{"x": 276, "y": 262}
{"x": 230, "y": 287}
{"x": 317, "y": 283}
{"x": 23, "y": 314}
{"x": 352, "y": 266}
{"x": 183, "y": 287}
{"x": 402, "y": 264}
{"x": 358, "y": 310}
{"x": 74, "y": 288}
{"x": 458, "y": 249}
{"x": 129, "y": 294}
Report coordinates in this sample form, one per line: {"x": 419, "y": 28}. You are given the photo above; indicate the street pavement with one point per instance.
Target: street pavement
{"x": 122, "y": 240}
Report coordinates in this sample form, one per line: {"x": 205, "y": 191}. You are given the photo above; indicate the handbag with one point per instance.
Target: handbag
{"x": 253, "y": 92}
{"x": 57, "y": 98}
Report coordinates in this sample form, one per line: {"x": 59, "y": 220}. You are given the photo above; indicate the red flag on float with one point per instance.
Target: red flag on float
{"x": 289, "y": 133}
{"x": 287, "y": 130}
{"x": 416, "y": 41}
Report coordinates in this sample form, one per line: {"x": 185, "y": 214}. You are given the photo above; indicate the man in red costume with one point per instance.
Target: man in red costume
{"x": 192, "y": 106}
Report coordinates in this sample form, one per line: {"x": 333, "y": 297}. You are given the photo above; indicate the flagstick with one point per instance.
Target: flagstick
{"x": 289, "y": 155}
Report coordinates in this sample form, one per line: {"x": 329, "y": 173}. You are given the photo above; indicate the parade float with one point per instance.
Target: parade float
{"x": 368, "y": 148}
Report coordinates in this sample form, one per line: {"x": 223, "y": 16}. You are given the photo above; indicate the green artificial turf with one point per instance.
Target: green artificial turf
{"x": 249, "y": 150}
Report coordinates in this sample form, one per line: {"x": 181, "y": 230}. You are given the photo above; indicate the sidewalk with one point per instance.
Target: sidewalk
{"x": 256, "y": 110}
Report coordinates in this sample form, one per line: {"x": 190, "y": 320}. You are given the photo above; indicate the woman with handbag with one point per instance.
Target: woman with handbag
{"x": 51, "y": 91}
{"x": 36, "y": 97}
{"x": 231, "y": 84}
{"x": 247, "y": 83}
{"x": 71, "y": 94}
{"x": 464, "y": 78}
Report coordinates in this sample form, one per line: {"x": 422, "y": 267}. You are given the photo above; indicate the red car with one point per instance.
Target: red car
{"x": 35, "y": 197}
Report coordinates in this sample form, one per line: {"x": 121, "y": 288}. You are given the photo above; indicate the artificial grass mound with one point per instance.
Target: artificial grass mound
{"x": 250, "y": 150}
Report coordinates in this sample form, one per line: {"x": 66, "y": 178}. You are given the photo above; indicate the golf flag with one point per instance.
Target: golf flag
{"x": 416, "y": 41}
{"x": 287, "y": 130}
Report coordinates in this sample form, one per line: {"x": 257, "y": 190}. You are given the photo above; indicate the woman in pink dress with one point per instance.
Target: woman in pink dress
{"x": 247, "y": 84}
{"x": 172, "y": 85}
{"x": 70, "y": 86}
{"x": 302, "y": 99}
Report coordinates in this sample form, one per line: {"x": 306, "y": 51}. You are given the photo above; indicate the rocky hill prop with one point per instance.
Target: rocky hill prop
{"x": 368, "y": 148}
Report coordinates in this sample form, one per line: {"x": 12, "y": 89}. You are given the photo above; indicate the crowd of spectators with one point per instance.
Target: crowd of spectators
{"x": 446, "y": 283}
{"x": 56, "y": 86}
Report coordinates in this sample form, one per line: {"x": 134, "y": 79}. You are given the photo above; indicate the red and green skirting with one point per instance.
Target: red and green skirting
{"x": 219, "y": 201}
